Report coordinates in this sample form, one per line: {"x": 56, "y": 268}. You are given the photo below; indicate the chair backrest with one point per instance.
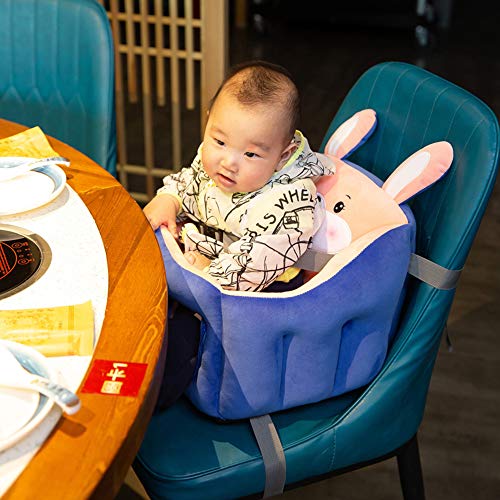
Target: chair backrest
{"x": 57, "y": 71}
{"x": 415, "y": 108}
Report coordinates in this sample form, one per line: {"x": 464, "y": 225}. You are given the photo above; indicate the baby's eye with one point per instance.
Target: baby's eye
{"x": 251, "y": 155}
{"x": 219, "y": 142}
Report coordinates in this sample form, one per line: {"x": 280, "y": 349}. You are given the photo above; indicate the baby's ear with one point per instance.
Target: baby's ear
{"x": 286, "y": 154}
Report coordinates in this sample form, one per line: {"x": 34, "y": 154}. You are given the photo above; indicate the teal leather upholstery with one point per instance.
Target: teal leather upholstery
{"x": 188, "y": 455}
{"x": 57, "y": 71}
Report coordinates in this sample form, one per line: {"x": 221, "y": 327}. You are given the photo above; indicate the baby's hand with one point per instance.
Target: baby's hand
{"x": 186, "y": 235}
{"x": 197, "y": 260}
{"x": 162, "y": 211}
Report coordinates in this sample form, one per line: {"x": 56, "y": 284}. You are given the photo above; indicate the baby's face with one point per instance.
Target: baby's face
{"x": 243, "y": 145}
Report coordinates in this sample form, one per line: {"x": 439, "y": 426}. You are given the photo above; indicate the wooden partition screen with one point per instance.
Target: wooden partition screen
{"x": 171, "y": 56}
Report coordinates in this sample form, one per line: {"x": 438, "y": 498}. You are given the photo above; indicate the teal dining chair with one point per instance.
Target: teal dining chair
{"x": 57, "y": 71}
{"x": 188, "y": 455}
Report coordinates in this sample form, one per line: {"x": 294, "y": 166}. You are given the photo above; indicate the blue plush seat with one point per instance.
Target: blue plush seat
{"x": 187, "y": 455}
{"x": 57, "y": 71}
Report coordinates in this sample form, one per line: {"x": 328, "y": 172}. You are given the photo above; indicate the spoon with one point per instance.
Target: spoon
{"x": 14, "y": 166}
{"x": 13, "y": 375}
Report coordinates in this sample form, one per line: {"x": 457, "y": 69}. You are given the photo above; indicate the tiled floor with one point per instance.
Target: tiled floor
{"x": 459, "y": 438}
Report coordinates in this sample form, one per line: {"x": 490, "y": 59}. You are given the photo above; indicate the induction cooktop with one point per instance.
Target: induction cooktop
{"x": 24, "y": 258}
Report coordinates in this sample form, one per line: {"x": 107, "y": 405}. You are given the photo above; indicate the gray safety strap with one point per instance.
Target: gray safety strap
{"x": 424, "y": 269}
{"x": 433, "y": 274}
{"x": 313, "y": 261}
{"x": 272, "y": 454}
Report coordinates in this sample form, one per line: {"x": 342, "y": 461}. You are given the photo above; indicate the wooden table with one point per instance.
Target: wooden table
{"x": 88, "y": 454}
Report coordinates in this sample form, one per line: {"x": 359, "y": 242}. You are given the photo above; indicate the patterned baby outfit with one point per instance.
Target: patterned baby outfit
{"x": 264, "y": 232}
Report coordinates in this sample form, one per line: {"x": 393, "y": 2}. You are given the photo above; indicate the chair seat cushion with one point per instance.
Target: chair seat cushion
{"x": 186, "y": 454}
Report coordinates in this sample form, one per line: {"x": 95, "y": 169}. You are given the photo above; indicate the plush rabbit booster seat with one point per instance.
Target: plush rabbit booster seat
{"x": 264, "y": 352}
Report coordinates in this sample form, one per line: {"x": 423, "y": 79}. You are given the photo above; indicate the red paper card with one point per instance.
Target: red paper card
{"x": 118, "y": 378}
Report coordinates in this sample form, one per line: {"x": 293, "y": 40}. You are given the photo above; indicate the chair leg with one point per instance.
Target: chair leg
{"x": 410, "y": 471}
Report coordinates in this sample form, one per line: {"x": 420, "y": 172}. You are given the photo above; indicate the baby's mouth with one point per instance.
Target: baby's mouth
{"x": 225, "y": 181}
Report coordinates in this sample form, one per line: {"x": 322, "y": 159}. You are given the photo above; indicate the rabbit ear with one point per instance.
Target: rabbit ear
{"x": 419, "y": 171}
{"x": 351, "y": 134}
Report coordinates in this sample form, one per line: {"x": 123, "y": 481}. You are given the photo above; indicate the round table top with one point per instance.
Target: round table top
{"x": 89, "y": 453}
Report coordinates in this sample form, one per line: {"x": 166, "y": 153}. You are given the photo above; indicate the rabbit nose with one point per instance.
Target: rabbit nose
{"x": 333, "y": 235}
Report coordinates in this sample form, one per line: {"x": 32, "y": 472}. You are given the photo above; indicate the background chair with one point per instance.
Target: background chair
{"x": 188, "y": 455}
{"x": 57, "y": 71}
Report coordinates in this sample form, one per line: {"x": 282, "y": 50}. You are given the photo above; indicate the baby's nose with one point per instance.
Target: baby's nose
{"x": 229, "y": 162}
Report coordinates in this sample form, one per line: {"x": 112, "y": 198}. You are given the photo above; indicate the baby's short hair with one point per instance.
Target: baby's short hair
{"x": 260, "y": 82}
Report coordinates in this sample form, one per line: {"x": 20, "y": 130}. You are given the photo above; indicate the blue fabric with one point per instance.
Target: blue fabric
{"x": 260, "y": 354}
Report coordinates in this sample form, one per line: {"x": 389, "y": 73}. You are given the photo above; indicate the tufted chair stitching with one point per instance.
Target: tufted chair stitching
{"x": 386, "y": 112}
{"x": 429, "y": 116}
{"x": 374, "y": 83}
{"x": 432, "y": 220}
{"x": 407, "y": 117}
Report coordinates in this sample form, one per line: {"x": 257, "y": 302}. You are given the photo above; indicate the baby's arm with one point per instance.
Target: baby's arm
{"x": 162, "y": 210}
{"x": 197, "y": 259}
{"x": 199, "y": 249}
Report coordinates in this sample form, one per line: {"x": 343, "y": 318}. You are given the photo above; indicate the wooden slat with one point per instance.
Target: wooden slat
{"x": 139, "y": 170}
{"x": 130, "y": 43}
{"x": 160, "y": 63}
{"x": 240, "y": 14}
{"x": 174, "y": 86}
{"x": 214, "y": 37}
{"x": 152, "y": 19}
{"x": 147, "y": 104}
{"x": 188, "y": 16}
{"x": 119, "y": 98}
{"x": 181, "y": 54}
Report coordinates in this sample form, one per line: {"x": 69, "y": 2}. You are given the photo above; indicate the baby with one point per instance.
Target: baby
{"x": 251, "y": 191}
{"x": 251, "y": 186}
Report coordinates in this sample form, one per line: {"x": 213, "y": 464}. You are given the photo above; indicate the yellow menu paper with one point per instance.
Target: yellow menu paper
{"x": 53, "y": 331}
{"x": 31, "y": 143}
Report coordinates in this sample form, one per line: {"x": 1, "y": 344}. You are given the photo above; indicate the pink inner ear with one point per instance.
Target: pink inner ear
{"x": 419, "y": 171}
{"x": 351, "y": 133}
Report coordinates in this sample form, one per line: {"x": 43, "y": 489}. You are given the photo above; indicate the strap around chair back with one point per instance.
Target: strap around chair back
{"x": 421, "y": 268}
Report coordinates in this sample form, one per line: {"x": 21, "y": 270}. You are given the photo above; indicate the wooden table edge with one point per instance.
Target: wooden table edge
{"x": 105, "y": 479}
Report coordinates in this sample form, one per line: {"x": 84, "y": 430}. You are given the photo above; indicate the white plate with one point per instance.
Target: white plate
{"x": 30, "y": 411}
{"x": 12, "y": 166}
{"x": 18, "y": 408}
{"x": 31, "y": 190}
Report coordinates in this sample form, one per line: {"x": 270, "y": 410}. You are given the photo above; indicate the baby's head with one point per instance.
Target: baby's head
{"x": 250, "y": 126}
